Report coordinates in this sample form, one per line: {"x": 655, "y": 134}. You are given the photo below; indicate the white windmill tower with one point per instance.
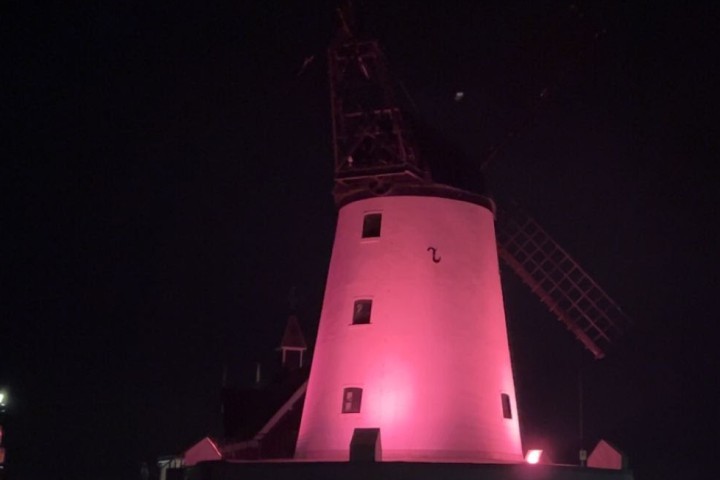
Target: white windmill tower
{"x": 412, "y": 340}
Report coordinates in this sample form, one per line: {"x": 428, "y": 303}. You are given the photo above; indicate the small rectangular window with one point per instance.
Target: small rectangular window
{"x": 507, "y": 410}
{"x": 371, "y": 225}
{"x": 361, "y": 312}
{"x": 352, "y": 397}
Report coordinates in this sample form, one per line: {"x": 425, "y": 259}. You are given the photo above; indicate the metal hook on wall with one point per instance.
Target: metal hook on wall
{"x": 435, "y": 258}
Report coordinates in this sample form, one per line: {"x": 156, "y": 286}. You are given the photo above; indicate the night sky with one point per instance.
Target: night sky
{"x": 167, "y": 169}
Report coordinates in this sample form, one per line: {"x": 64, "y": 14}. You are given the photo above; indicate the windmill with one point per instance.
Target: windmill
{"x": 412, "y": 343}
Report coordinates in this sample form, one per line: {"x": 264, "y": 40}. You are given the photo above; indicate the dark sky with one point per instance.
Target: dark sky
{"x": 166, "y": 173}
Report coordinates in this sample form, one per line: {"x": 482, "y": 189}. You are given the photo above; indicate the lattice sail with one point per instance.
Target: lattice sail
{"x": 560, "y": 283}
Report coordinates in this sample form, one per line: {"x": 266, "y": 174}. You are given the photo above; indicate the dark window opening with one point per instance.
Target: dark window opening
{"x": 507, "y": 411}
{"x": 352, "y": 396}
{"x": 371, "y": 225}
{"x": 361, "y": 311}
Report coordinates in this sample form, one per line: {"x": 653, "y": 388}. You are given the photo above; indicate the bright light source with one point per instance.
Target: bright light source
{"x": 533, "y": 456}
{"x": 2, "y": 399}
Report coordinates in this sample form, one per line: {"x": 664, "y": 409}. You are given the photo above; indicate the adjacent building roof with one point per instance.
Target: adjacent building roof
{"x": 293, "y": 337}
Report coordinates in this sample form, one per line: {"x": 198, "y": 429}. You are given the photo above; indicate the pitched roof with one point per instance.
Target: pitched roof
{"x": 247, "y": 410}
{"x": 293, "y": 336}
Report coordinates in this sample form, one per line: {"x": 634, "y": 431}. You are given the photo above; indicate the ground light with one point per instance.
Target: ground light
{"x": 3, "y": 404}
{"x": 533, "y": 456}
{"x": 4, "y": 397}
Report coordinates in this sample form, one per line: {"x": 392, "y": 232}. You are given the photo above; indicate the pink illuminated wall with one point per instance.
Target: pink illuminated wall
{"x": 433, "y": 362}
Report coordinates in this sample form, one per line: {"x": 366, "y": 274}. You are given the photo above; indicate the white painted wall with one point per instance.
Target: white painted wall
{"x": 434, "y": 360}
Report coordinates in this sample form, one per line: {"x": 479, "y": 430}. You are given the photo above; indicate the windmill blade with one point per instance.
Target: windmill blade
{"x": 559, "y": 281}
{"x": 372, "y": 140}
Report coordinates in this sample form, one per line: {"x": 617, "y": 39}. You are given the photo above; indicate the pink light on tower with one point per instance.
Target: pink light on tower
{"x": 412, "y": 337}
{"x": 432, "y": 360}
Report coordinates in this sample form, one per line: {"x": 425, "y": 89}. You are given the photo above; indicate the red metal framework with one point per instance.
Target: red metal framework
{"x": 372, "y": 142}
{"x": 560, "y": 283}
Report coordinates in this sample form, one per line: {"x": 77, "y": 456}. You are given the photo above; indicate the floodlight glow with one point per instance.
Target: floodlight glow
{"x": 437, "y": 320}
{"x": 2, "y": 399}
{"x": 533, "y": 456}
